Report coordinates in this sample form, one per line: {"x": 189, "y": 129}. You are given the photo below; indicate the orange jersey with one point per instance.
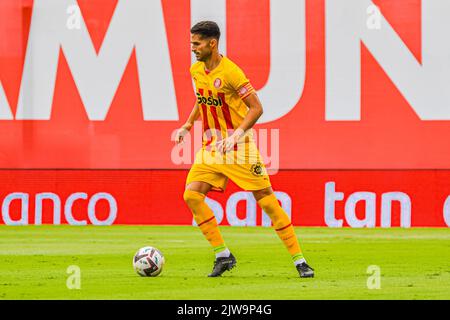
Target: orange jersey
{"x": 219, "y": 97}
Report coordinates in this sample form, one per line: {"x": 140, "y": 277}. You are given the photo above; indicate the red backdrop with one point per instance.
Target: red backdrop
{"x": 388, "y": 137}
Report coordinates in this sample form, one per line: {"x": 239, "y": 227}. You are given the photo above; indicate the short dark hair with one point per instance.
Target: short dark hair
{"x": 207, "y": 29}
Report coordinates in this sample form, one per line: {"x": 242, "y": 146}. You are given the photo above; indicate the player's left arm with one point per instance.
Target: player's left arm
{"x": 237, "y": 81}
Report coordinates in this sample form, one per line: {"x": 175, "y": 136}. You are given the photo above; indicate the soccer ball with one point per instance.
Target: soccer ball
{"x": 148, "y": 262}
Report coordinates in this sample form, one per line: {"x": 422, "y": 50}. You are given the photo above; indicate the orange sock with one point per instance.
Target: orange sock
{"x": 205, "y": 218}
{"x": 282, "y": 225}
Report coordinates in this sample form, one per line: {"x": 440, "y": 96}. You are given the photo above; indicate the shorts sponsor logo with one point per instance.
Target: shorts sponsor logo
{"x": 257, "y": 169}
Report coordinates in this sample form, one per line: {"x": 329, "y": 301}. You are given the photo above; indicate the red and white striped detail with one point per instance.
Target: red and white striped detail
{"x": 245, "y": 90}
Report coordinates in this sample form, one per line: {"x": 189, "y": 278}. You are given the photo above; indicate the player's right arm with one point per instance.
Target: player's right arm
{"x": 185, "y": 128}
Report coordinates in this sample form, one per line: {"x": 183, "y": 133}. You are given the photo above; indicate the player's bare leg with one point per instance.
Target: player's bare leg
{"x": 194, "y": 196}
{"x": 283, "y": 226}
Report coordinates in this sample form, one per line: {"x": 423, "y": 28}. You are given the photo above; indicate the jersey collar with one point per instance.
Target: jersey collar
{"x": 219, "y": 66}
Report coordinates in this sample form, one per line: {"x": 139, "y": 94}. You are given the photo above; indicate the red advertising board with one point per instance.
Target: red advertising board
{"x": 155, "y": 197}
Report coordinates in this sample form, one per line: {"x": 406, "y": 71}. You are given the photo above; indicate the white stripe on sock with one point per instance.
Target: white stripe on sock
{"x": 299, "y": 261}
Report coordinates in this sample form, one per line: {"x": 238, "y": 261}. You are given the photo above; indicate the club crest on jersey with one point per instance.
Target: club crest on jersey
{"x": 257, "y": 169}
{"x": 217, "y": 83}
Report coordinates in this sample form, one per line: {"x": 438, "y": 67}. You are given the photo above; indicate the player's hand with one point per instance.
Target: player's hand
{"x": 179, "y": 136}
{"x": 225, "y": 145}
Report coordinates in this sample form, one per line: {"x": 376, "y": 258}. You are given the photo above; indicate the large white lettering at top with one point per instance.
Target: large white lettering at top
{"x": 139, "y": 25}
{"x": 136, "y": 24}
{"x": 426, "y": 85}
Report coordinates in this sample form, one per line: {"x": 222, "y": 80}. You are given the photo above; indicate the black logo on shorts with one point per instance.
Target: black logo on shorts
{"x": 257, "y": 169}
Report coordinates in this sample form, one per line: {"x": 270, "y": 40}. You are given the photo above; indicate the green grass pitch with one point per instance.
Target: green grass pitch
{"x": 414, "y": 263}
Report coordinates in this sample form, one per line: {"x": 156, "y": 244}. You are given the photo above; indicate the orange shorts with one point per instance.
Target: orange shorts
{"x": 246, "y": 170}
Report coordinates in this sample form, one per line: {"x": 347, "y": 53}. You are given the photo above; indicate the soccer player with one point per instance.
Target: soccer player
{"x": 229, "y": 107}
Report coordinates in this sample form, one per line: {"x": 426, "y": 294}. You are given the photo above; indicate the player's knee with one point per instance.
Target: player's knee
{"x": 193, "y": 198}
{"x": 263, "y": 193}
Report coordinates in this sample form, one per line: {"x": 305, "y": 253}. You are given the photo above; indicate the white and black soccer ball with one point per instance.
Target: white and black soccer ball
{"x": 148, "y": 262}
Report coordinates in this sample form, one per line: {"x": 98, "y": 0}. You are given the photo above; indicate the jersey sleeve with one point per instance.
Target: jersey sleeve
{"x": 191, "y": 69}
{"x": 240, "y": 83}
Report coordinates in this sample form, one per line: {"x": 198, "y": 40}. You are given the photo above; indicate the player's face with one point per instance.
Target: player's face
{"x": 201, "y": 47}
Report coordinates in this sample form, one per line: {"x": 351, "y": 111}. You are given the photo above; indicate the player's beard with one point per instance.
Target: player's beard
{"x": 199, "y": 57}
